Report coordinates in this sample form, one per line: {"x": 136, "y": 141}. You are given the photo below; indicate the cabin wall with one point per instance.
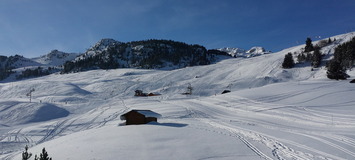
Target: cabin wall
{"x": 151, "y": 119}
{"x": 135, "y": 118}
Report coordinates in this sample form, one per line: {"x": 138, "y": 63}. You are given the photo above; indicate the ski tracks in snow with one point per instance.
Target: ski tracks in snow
{"x": 235, "y": 133}
{"x": 95, "y": 118}
{"x": 54, "y": 130}
{"x": 16, "y": 136}
{"x": 207, "y": 113}
{"x": 209, "y": 120}
{"x": 340, "y": 139}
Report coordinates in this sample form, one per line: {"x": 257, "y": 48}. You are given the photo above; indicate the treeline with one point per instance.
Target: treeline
{"x": 6, "y": 65}
{"x": 4, "y": 73}
{"x": 37, "y": 72}
{"x": 147, "y": 54}
{"x": 344, "y": 56}
{"x": 311, "y": 54}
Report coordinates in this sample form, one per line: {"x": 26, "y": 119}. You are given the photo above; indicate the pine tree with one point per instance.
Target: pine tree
{"x": 288, "y": 61}
{"x": 316, "y": 57}
{"x": 43, "y": 155}
{"x": 309, "y": 46}
{"x": 335, "y": 70}
{"x": 26, "y": 155}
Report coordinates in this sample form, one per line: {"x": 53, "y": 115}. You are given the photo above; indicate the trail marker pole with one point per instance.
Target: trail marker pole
{"x": 29, "y": 94}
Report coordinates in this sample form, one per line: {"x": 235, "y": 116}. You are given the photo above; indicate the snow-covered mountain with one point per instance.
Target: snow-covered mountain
{"x": 17, "y": 61}
{"x": 55, "y": 58}
{"x": 238, "y": 52}
{"x": 270, "y": 113}
{"x": 111, "y": 54}
{"x": 101, "y": 46}
{"x": 146, "y": 54}
{"x": 18, "y": 67}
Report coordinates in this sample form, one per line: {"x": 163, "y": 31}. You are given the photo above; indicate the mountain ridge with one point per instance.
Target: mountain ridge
{"x": 108, "y": 53}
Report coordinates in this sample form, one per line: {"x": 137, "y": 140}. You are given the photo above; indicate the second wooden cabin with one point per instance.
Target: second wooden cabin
{"x": 140, "y": 117}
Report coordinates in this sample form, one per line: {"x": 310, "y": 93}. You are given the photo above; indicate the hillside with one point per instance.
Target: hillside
{"x": 271, "y": 113}
{"x": 111, "y": 54}
{"x": 17, "y": 67}
{"x": 148, "y": 54}
{"x": 55, "y": 58}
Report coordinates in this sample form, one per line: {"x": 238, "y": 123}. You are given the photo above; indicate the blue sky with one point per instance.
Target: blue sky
{"x": 35, "y": 27}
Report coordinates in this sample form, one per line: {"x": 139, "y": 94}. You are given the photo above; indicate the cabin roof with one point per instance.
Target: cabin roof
{"x": 146, "y": 113}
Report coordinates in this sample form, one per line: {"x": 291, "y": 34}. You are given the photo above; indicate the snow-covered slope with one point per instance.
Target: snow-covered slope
{"x": 18, "y": 61}
{"x": 271, "y": 113}
{"x": 18, "y": 67}
{"x": 238, "y": 52}
{"x": 99, "y": 47}
{"x": 55, "y": 58}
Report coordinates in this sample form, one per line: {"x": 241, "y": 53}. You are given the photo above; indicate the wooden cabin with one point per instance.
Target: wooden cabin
{"x": 140, "y": 117}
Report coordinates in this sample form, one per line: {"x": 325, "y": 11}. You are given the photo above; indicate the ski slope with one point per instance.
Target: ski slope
{"x": 271, "y": 113}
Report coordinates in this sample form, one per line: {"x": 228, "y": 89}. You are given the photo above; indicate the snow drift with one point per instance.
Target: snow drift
{"x": 14, "y": 112}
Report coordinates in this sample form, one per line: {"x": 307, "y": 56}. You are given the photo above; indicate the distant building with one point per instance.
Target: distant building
{"x": 139, "y": 93}
{"x": 226, "y": 91}
{"x": 140, "y": 117}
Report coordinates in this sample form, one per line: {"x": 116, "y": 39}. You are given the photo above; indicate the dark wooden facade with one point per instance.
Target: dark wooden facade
{"x": 140, "y": 117}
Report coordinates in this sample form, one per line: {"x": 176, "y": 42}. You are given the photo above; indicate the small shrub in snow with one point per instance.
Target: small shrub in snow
{"x": 43, "y": 155}
{"x": 26, "y": 155}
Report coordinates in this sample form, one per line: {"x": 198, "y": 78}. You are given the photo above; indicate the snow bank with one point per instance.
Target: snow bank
{"x": 14, "y": 112}
{"x": 154, "y": 141}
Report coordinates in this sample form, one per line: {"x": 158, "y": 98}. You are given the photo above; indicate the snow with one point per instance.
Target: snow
{"x": 55, "y": 58}
{"x": 148, "y": 113}
{"x": 98, "y": 48}
{"x": 270, "y": 113}
{"x": 11, "y": 112}
{"x": 238, "y": 52}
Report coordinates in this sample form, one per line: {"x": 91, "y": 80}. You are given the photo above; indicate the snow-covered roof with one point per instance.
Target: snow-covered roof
{"x": 146, "y": 113}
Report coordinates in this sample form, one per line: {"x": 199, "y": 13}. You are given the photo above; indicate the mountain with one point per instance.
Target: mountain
{"x": 8, "y": 64}
{"x": 19, "y": 67}
{"x": 238, "y": 52}
{"x": 101, "y": 46}
{"x": 17, "y": 61}
{"x": 55, "y": 58}
{"x": 147, "y": 54}
{"x": 111, "y": 54}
